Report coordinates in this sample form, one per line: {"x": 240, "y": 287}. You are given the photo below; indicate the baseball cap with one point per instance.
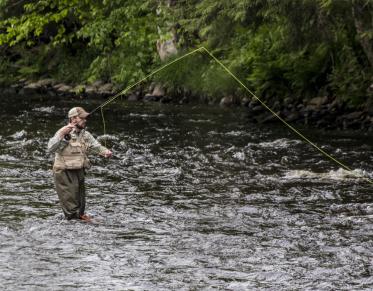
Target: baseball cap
{"x": 77, "y": 111}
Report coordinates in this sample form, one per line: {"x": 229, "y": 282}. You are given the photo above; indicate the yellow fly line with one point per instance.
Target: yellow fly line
{"x": 203, "y": 49}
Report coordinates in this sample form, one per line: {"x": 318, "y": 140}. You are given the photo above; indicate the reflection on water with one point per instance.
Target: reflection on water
{"x": 195, "y": 198}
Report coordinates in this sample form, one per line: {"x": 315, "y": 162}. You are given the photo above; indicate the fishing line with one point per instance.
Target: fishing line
{"x": 104, "y": 124}
{"x": 203, "y": 49}
{"x": 143, "y": 79}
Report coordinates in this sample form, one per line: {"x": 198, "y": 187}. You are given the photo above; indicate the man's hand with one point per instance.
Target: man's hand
{"x": 66, "y": 129}
{"x": 107, "y": 154}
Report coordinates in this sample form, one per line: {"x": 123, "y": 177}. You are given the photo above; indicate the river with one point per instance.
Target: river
{"x": 195, "y": 198}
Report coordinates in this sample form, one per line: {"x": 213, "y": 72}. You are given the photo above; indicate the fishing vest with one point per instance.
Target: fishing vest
{"x": 73, "y": 156}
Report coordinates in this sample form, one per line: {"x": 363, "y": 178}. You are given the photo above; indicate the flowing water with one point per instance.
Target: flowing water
{"x": 195, "y": 198}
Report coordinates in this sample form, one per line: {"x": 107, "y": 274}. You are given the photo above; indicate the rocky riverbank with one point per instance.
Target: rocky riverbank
{"x": 321, "y": 112}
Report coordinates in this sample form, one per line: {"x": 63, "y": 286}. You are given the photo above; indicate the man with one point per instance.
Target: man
{"x": 71, "y": 145}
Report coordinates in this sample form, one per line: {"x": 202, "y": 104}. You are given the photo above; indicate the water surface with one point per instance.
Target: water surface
{"x": 196, "y": 198}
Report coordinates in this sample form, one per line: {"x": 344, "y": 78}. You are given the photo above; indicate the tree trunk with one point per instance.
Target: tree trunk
{"x": 167, "y": 48}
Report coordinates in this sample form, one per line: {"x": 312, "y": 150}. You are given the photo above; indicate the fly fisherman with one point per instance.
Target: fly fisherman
{"x": 71, "y": 144}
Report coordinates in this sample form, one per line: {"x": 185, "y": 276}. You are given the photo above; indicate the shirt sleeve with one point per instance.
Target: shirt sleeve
{"x": 93, "y": 145}
{"x": 56, "y": 143}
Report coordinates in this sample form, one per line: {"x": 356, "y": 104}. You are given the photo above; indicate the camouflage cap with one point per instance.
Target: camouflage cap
{"x": 77, "y": 111}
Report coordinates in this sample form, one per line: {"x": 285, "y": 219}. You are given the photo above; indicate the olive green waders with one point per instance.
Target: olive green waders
{"x": 71, "y": 191}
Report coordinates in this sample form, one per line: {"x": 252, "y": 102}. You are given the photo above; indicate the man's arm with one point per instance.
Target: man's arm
{"x": 96, "y": 147}
{"x": 58, "y": 142}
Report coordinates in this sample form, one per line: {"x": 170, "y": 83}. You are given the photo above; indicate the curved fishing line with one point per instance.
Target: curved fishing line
{"x": 143, "y": 79}
{"x": 283, "y": 121}
{"x": 124, "y": 91}
{"x": 247, "y": 89}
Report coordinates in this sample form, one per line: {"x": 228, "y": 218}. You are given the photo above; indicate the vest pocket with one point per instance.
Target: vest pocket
{"x": 74, "y": 162}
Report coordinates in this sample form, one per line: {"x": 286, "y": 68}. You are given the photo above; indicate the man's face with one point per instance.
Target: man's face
{"x": 79, "y": 122}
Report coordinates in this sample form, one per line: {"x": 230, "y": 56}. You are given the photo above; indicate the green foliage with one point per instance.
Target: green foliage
{"x": 349, "y": 79}
{"x": 111, "y": 40}
{"x": 199, "y": 75}
{"x": 297, "y": 48}
{"x": 286, "y": 48}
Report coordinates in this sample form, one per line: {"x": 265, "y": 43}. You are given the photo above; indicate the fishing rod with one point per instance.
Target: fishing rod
{"x": 203, "y": 49}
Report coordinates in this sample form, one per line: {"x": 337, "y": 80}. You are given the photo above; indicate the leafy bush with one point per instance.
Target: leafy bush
{"x": 296, "y": 48}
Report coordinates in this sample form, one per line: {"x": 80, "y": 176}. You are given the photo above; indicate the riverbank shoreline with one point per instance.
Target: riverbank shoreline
{"x": 319, "y": 112}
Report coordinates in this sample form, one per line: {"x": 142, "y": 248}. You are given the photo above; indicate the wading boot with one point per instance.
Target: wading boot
{"x": 85, "y": 218}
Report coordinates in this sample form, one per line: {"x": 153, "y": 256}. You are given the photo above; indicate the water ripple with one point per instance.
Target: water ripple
{"x": 194, "y": 199}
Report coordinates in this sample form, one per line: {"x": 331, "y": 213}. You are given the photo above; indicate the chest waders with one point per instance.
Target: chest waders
{"x": 68, "y": 172}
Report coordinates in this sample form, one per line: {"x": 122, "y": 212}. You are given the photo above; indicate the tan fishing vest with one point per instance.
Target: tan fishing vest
{"x": 73, "y": 156}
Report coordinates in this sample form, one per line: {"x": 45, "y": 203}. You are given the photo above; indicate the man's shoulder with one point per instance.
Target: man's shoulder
{"x": 88, "y": 135}
{"x": 86, "y": 132}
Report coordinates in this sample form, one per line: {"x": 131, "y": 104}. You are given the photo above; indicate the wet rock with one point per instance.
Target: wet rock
{"x": 151, "y": 87}
{"x": 352, "y": 124}
{"x": 266, "y": 118}
{"x": 334, "y": 105}
{"x": 17, "y": 86}
{"x": 30, "y": 88}
{"x": 253, "y": 103}
{"x": 317, "y": 102}
{"x": 51, "y": 93}
{"x": 133, "y": 97}
{"x": 276, "y": 105}
{"x": 184, "y": 100}
{"x": 33, "y": 86}
{"x": 57, "y": 86}
{"x": 149, "y": 97}
{"x": 245, "y": 101}
{"x": 65, "y": 89}
{"x": 106, "y": 88}
{"x": 22, "y": 81}
{"x": 158, "y": 91}
{"x": 353, "y": 115}
{"x": 41, "y": 86}
{"x": 46, "y": 82}
{"x": 300, "y": 107}
{"x": 166, "y": 99}
{"x": 322, "y": 123}
{"x": 91, "y": 90}
{"x": 19, "y": 135}
{"x": 228, "y": 101}
{"x": 287, "y": 102}
{"x": 97, "y": 83}
{"x": 257, "y": 109}
{"x": 293, "y": 116}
